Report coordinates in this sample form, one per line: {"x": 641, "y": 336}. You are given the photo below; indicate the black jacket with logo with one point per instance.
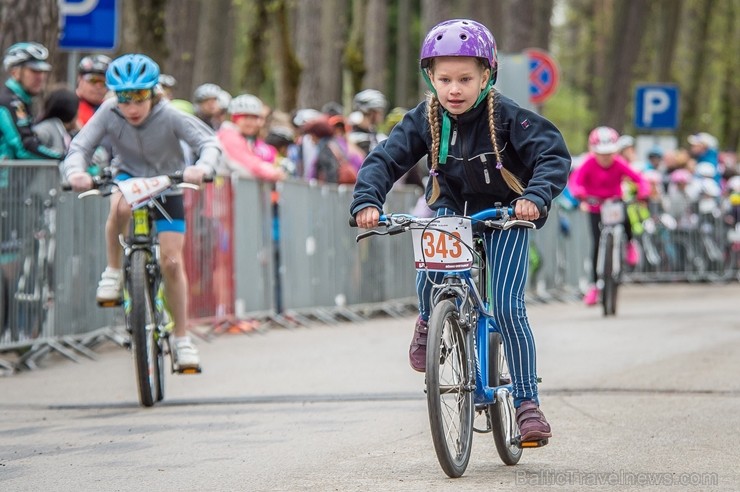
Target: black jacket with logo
{"x": 530, "y": 146}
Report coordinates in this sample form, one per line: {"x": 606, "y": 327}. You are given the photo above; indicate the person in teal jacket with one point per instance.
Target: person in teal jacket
{"x": 26, "y": 63}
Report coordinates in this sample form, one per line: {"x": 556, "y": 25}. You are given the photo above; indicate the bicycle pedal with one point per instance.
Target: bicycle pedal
{"x": 109, "y": 303}
{"x": 530, "y": 444}
{"x": 189, "y": 370}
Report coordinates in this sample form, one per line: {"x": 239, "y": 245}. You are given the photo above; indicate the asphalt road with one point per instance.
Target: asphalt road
{"x": 649, "y": 400}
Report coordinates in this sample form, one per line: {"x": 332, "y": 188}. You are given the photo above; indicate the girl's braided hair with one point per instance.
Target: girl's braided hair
{"x": 434, "y": 127}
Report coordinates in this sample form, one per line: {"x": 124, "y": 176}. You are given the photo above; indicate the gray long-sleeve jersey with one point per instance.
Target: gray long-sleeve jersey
{"x": 150, "y": 149}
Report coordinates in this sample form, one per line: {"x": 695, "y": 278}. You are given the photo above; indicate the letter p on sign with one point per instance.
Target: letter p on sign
{"x": 656, "y": 107}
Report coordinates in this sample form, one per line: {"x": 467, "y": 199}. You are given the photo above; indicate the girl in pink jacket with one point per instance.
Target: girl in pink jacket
{"x": 598, "y": 179}
{"x": 246, "y": 154}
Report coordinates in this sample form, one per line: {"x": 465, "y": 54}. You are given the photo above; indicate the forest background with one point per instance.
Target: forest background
{"x": 304, "y": 53}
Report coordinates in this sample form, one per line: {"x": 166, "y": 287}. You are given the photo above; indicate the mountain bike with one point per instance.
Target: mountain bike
{"x": 147, "y": 319}
{"x": 466, "y": 368}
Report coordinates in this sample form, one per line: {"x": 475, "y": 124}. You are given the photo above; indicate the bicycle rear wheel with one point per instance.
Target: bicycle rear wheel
{"x": 449, "y": 389}
{"x": 609, "y": 293}
{"x": 502, "y": 415}
{"x": 141, "y": 322}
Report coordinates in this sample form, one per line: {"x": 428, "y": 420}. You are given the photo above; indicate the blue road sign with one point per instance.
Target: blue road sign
{"x": 656, "y": 107}
{"x": 89, "y": 25}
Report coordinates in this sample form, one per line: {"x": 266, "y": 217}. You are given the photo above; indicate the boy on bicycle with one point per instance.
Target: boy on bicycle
{"x": 145, "y": 133}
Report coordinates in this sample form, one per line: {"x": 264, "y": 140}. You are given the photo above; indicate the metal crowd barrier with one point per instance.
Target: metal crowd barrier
{"x": 259, "y": 252}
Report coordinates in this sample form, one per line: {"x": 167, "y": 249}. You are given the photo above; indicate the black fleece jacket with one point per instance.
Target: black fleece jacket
{"x": 530, "y": 146}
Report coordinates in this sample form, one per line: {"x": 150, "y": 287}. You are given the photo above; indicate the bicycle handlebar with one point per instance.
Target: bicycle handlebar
{"x": 107, "y": 180}
{"x": 498, "y": 217}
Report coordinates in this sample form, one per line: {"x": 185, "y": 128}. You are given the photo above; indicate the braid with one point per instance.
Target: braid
{"x": 433, "y": 117}
{"x": 511, "y": 180}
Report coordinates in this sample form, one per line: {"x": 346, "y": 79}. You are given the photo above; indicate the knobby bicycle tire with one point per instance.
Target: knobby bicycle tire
{"x": 501, "y": 414}
{"x": 609, "y": 294}
{"x": 449, "y": 389}
{"x": 141, "y": 322}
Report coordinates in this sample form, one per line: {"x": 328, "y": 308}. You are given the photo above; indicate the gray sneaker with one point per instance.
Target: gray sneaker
{"x": 418, "y": 348}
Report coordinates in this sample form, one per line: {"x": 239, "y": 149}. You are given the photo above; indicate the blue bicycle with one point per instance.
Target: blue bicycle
{"x": 466, "y": 367}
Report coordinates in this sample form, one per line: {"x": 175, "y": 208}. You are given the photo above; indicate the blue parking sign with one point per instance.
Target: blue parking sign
{"x": 656, "y": 107}
{"x": 88, "y": 25}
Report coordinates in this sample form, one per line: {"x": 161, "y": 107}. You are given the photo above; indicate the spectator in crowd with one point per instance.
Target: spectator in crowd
{"x": 282, "y": 138}
{"x": 167, "y": 85}
{"x": 28, "y": 69}
{"x": 57, "y": 123}
{"x": 354, "y": 154}
{"x": 332, "y": 162}
{"x": 306, "y": 148}
{"x": 205, "y": 98}
{"x": 370, "y": 106}
{"x": 246, "y": 154}
{"x": 91, "y": 89}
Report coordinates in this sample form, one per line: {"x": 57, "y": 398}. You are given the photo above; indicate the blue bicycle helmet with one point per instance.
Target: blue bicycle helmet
{"x": 132, "y": 72}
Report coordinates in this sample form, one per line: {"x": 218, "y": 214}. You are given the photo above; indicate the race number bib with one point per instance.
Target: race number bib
{"x": 442, "y": 245}
{"x": 612, "y": 213}
{"x": 137, "y": 191}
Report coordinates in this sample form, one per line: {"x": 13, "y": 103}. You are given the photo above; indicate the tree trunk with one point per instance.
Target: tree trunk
{"x": 182, "y": 27}
{"x": 288, "y": 69}
{"x": 405, "y": 67}
{"x": 530, "y": 25}
{"x": 308, "y": 48}
{"x": 212, "y": 42}
{"x": 624, "y": 50}
{"x": 376, "y": 46}
{"x": 354, "y": 58}
{"x": 333, "y": 35}
{"x": 252, "y": 71}
{"x": 700, "y": 48}
{"x": 669, "y": 19}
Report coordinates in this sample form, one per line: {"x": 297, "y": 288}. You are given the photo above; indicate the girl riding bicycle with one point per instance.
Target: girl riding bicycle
{"x": 483, "y": 148}
{"x": 146, "y": 134}
{"x": 599, "y": 178}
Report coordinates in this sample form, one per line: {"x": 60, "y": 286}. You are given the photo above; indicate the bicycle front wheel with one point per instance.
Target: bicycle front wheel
{"x": 142, "y": 324}
{"x": 611, "y": 284}
{"x": 449, "y": 389}
{"x": 501, "y": 414}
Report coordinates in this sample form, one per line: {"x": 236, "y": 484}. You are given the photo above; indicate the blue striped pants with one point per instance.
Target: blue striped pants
{"x": 508, "y": 262}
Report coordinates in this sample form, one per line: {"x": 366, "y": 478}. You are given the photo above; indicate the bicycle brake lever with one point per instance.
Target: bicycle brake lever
{"x": 518, "y": 223}
{"x": 372, "y": 232}
{"x": 89, "y": 193}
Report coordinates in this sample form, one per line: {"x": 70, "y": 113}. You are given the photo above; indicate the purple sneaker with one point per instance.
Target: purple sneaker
{"x": 532, "y": 423}
{"x": 418, "y": 348}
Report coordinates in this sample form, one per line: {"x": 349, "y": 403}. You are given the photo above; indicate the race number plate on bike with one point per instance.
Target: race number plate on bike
{"x": 137, "y": 191}
{"x": 612, "y": 212}
{"x": 442, "y": 245}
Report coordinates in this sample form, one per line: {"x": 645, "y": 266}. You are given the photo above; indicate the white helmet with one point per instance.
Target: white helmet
{"x": 734, "y": 184}
{"x": 369, "y": 99}
{"x": 206, "y": 91}
{"x": 246, "y": 104}
{"x": 223, "y": 99}
{"x": 706, "y": 169}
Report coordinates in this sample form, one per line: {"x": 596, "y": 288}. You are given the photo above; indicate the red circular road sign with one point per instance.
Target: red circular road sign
{"x": 544, "y": 75}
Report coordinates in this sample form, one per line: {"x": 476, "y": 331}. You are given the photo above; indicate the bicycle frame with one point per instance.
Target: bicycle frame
{"x": 461, "y": 329}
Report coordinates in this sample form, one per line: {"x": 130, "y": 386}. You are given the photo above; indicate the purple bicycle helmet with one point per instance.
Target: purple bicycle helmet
{"x": 460, "y": 37}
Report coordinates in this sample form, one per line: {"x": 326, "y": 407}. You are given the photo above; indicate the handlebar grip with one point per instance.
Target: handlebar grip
{"x": 66, "y": 186}
{"x": 209, "y": 178}
{"x": 352, "y": 222}
{"x": 543, "y": 212}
